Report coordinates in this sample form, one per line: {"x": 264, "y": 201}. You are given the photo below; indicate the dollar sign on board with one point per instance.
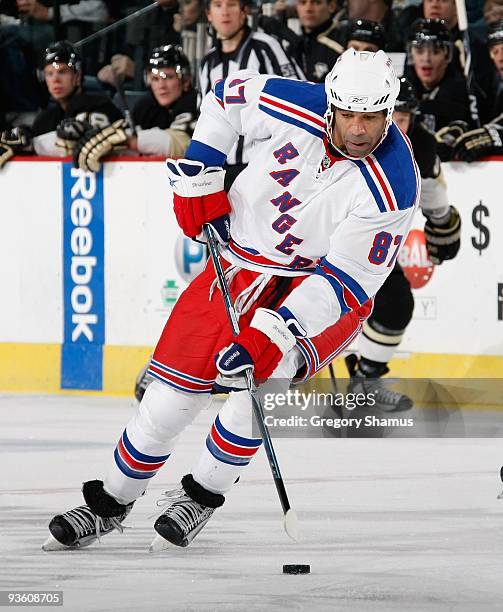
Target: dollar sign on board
{"x": 481, "y": 241}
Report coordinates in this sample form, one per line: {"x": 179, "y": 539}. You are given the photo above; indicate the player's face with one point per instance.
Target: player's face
{"x": 313, "y": 13}
{"x": 226, "y": 16}
{"x": 358, "y": 133}
{"x": 402, "y": 120}
{"x": 441, "y": 9}
{"x": 61, "y": 81}
{"x": 360, "y": 45}
{"x": 496, "y": 53}
{"x": 430, "y": 63}
{"x": 166, "y": 85}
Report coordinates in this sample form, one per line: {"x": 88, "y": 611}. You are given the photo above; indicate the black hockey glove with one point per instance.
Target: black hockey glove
{"x": 97, "y": 143}
{"x": 443, "y": 241}
{"x": 12, "y": 142}
{"x": 446, "y": 138}
{"x": 486, "y": 140}
{"x": 69, "y": 131}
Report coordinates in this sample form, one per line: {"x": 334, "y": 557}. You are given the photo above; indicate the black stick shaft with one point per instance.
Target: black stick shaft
{"x": 116, "y": 24}
{"x": 257, "y": 407}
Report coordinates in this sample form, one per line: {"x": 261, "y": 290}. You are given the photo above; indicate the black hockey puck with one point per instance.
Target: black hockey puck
{"x": 296, "y": 569}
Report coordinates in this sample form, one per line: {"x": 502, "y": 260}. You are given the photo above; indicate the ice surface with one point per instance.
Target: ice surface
{"x": 386, "y": 524}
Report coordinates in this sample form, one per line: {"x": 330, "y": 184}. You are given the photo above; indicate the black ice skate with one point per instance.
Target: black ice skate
{"x": 83, "y": 525}
{"x": 386, "y": 399}
{"x": 190, "y": 508}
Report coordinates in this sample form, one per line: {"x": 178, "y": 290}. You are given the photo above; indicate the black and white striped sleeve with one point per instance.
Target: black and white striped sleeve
{"x": 273, "y": 58}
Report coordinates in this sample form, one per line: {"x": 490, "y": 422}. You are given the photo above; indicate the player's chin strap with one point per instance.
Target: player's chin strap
{"x": 290, "y": 522}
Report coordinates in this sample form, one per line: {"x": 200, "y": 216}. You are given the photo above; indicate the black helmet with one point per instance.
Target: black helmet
{"x": 62, "y": 52}
{"x": 430, "y": 32}
{"x": 367, "y": 31}
{"x": 169, "y": 56}
{"x": 407, "y": 101}
{"x": 495, "y": 33}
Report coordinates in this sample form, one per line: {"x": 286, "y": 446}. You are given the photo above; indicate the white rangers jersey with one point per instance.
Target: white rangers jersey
{"x": 296, "y": 209}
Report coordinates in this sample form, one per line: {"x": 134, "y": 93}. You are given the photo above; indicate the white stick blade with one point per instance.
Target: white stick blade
{"x": 292, "y": 525}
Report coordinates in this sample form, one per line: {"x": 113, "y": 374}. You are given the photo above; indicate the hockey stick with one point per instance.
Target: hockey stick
{"x": 116, "y": 24}
{"x": 467, "y": 68}
{"x": 119, "y": 87}
{"x": 291, "y": 522}
{"x": 333, "y": 380}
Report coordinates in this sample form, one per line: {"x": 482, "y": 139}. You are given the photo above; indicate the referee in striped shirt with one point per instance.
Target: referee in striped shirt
{"x": 238, "y": 48}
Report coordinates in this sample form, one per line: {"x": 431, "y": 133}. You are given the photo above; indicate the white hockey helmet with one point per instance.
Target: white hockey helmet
{"x": 362, "y": 82}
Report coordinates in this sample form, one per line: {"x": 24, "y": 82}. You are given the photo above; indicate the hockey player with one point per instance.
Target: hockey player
{"x": 85, "y": 125}
{"x": 165, "y": 116}
{"x": 441, "y": 87}
{"x": 309, "y": 232}
{"x": 394, "y": 303}
{"x": 488, "y": 139}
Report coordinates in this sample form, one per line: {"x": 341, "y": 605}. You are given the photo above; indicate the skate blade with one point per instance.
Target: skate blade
{"x": 291, "y": 525}
{"x": 51, "y": 544}
{"x": 159, "y": 544}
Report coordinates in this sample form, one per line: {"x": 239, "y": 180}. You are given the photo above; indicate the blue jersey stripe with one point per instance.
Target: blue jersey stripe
{"x": 125, "y": 469}
{"x": 338, "y": 289}
{"x": 395, "y": 159}
{"x": 310, "y": 96}
{"x": 305, "y": 126}
{"x": 371, "y": 185}
{"x": 140, "y": 456}
{"x": 218, "y": 89}
{"x": 198, "y": 151}
{"x": 170, "y": 383}
{"x": 234, "y": 438}
{"x": 349, "y": 281}
{"x": 179, "y": 374}
{"x": 221, "y": 455}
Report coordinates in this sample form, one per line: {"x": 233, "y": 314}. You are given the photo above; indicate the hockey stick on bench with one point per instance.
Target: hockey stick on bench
{"x": 290, "y": 523}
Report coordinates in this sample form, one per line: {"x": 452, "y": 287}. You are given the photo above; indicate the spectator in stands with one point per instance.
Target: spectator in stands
{"x": 87, "y": 125}
{"x": 441, "y": 89}
{"x": 166, "y": 114}
{"x": 190, "y": 13}
{"x": 364, "y": 35}
{"x": 493, "y": 11}
{"x": 446, "y": 10}
{"x": 488, "y": 139}
{"x": 20, "y": 90}
{"x": 318, "y": 47}
{"x": 380, "y": 11}
{"x": 37, "y": 28}
{"x": 154, "y": 29}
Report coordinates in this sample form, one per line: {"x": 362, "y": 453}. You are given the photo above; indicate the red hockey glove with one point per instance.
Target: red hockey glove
{"x": 260, "y": 346}
{"x": 199, "y": 198}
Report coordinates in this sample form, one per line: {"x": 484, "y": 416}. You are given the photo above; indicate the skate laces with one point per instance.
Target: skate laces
{"x": 382, "y": 392}
{"x": 85, "y": 522}
{"x": 183, "y": 509}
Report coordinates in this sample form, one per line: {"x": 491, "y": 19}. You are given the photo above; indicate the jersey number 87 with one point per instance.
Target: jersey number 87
{"x": 381, "y": 246}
